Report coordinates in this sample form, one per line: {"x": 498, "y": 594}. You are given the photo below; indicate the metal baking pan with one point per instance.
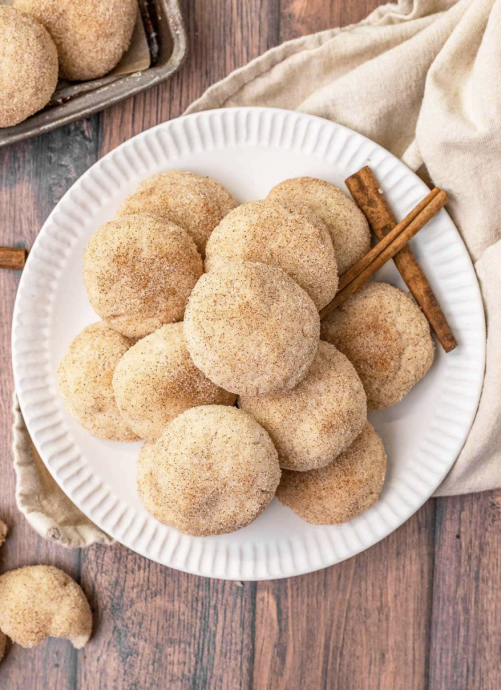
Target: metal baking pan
{"x": 167, "y": 43}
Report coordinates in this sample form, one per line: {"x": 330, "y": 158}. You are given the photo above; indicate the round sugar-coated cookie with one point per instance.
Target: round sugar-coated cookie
{"x": 91, "y": 35}
{"x": 85, "y": 378}
{"x": 251, "y": 329}
{"x": 317, "y": 420}
{"x": 156, "y": 380}
{"x": 139, "y": 271}
{"x": 287, "y": 236}
{"x": 386, "y": 337}
{"x": 345, "y": 222}
{"x": 213, "y": 470}
{"x": 194, "y": 202}
{"x": 28, "y": 66}
{"x": 342, "y": 490}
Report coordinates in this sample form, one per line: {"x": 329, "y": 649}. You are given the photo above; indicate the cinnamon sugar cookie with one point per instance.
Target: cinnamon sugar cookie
{"x": 317, "y": 420}
{"x": 41, "y": 601}
{"x": 91, "y": 35}
{"x": 343, "y": 219}
{"x": 342, "y": 490}
{"x": 139, "y": 271}
{"x": 287, "y": 236}
{"x": 386, "y": 337}
{"x": 251, "y": 329}
{"x": 85, "y": 381}
{"x": 156, "y": 380}
{"x": 213, "y": 471}
{"x": 193, "y": 202}
{"x": 28, "y": 66}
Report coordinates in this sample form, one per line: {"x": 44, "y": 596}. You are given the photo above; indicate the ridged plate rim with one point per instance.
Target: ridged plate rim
{"x": 160, "y": 148}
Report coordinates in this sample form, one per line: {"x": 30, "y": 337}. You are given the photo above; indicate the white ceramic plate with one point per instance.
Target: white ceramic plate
{"x": 248, "y": 150}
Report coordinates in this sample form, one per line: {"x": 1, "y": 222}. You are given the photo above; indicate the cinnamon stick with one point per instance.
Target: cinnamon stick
{"x": 388, "y": 247}
{"x": 368, "y": 195}
{"x": 357, "y": 268}
{"x": 13, "y": 258}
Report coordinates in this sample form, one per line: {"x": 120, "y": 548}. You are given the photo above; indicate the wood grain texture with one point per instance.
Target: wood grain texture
{"x": 156, "y": 626}
{"x": 303, "y": 17}
{"x": 360, "y": 625}
{"x": 364, "y": 624}
{"x": 465, "y": 645}
{"x": 33, "y": 177}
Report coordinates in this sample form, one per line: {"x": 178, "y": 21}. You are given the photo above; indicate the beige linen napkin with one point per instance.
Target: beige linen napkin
{"x": 423, "y": 79}
{"x": 46, "y": 507}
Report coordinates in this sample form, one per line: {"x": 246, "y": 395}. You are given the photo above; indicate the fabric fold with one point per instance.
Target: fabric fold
{"x": 46, "y": 507}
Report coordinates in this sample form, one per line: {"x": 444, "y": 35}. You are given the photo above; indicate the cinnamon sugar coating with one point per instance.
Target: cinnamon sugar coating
{"x": 156, "y": 380}
{"x": 91, "y": 35}
{"x": 317, "y": 420}
{"x": 251, "y": 329}
{"x": 214, "y": 470}
{"x": 139, "y": 271}
{"x": 343, "y": 219}
{"x": 41, "y": 601}
{"x": 386, "y": 337}
{"x": 193, "y": 202}
{"x": 85, "y": 380}
{"x": 342, "y": 490}
{"x": 287, "y": 236}
{"x": 28, "y": 66}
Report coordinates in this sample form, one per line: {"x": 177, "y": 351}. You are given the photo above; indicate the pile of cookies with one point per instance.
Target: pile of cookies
{"x": 41, "y": 40}
{"x": 211, "y": 349}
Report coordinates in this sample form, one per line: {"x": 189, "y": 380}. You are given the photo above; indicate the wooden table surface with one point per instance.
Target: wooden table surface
{"x": 422, "y": 609}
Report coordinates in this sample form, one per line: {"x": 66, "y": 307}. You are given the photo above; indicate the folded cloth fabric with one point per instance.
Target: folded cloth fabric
{"x": 423, "y": 79}
{"x": 46, "y": 507}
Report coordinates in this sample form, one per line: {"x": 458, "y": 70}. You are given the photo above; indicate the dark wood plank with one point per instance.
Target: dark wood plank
{"x": 466, "y": 628}
{"x": 303, "y": 17}
{"x": 33, "y": 177}
{"x": 161, "y": 628}
{"x": 360, "y": 625}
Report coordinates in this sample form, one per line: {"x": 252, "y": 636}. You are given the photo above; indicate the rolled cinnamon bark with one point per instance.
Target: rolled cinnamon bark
{"x": 368, "y": 195}
{"x": 387, "y": 248}
{"x": 13, "y": 258}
